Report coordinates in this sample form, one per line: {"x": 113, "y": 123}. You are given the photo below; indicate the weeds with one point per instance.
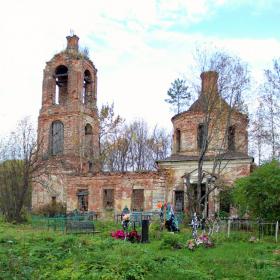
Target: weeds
{"x": 26, "y": 253}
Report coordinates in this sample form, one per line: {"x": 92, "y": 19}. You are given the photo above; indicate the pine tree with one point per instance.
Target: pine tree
{"x": 178, "y": 95}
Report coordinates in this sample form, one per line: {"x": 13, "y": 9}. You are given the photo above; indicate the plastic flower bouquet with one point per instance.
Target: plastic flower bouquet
{"x": 133, "y": 236}
{"x": 204, "y": 239}
{"x": 119, "y": 234}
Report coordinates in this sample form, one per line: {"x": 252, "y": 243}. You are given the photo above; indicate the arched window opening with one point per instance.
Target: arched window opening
{"x": 231, "y": 138}
{"x": 88, "y": 129}
{"x": 201, "y": 136}
{"x": 88, "y": 140}
{"x": 87, "y": 88}
{"x": 178, "y": 140}
{"x": 53, "y": 200}
{"x": 56, "y": 138}
{"x": 61, "y": 82}
{"x": 90, "y": 166}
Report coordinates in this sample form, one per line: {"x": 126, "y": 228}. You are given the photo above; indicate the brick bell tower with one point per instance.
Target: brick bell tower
{"x": 68, "y": 126}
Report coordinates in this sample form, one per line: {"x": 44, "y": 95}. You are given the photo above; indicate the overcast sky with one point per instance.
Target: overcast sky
{"x": 138, "y": 46}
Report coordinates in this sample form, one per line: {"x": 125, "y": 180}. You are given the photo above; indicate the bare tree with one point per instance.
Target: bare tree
{"x": 147, "y": 146}
{"x": 110, "y": 126}
{"x": 20, "y": 165}
{"x": 138, "y": 131}
{"x": 134, "y": 147}
{"x": 270, "y": 98}
{"x": 220, "y": 99}
{"x": 116, "y": 156}
{"x": 159, "y": 145}
{"x": 258, "y": 133}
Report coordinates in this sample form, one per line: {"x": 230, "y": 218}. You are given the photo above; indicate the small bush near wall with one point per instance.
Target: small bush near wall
{"x": 51, "y": 209}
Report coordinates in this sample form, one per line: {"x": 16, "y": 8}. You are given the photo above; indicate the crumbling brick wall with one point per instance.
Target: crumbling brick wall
{"x": 68, "y": 188}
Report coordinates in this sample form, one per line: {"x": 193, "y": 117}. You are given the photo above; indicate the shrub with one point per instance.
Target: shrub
{"x": 51, "y": 209}
{"x": 155, "y": 231}
{"x": 258, "y": 194}
{"x": 171, "y": 241}
{"x": 223, "y": 214}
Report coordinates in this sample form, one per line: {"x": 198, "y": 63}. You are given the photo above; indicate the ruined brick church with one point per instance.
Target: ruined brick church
{"x": 68, "y": 135}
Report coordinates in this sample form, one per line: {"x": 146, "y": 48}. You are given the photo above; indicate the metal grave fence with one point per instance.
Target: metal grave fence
{"x": 259, "y": 229}
{"x": 66, "y": 224}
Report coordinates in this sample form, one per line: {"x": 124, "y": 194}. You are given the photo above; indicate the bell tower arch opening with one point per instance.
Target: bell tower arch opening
{"x": 61, "y": 85}
{"x": 87, "y": 88}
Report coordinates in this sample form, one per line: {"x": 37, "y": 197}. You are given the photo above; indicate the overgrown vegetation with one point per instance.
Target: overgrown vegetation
{"x": 29, "y": 254}
{"x": 51, "y": 209}
{"x": 20, "y": 165}
{"x": 225, "y": 197}
{"x": 259, "y": 193}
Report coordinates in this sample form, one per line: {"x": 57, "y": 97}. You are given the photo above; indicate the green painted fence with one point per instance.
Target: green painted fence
{"x": 66, "y": 224}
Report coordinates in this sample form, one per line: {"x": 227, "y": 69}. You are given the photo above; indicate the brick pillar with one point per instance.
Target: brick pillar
{"x": 72, "y": 43}
{"x": 209, "y": 81}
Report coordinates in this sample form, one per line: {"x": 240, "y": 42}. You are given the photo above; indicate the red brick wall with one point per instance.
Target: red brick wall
{"x": 122, "y": 184}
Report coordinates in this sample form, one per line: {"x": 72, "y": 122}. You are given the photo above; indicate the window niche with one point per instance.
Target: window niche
{"x": 61, "y": 85}
{"x": 56, "y": 144}
{"x": 137, "y": 200}
{"x": 87, "y": 88}
{"x": 231, "y": 138}
{"x": 88, "y": 129}
{"x": 108, "y": 198}
{"x": 88, "y": 140}
{"x": 82, "y": 195}
{"x": 179, "y": 201}
{"x": 178, "y": 140}
{"x": 201, "y": 136}
{"x": 53, "y": 199}
{"x": 90, "y": 166}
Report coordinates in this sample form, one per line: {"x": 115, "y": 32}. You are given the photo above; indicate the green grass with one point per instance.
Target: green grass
{"x": 26, "y": 253}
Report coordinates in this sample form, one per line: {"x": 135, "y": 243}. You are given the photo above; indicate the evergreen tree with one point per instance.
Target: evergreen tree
{"x": 178, "y": 95}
